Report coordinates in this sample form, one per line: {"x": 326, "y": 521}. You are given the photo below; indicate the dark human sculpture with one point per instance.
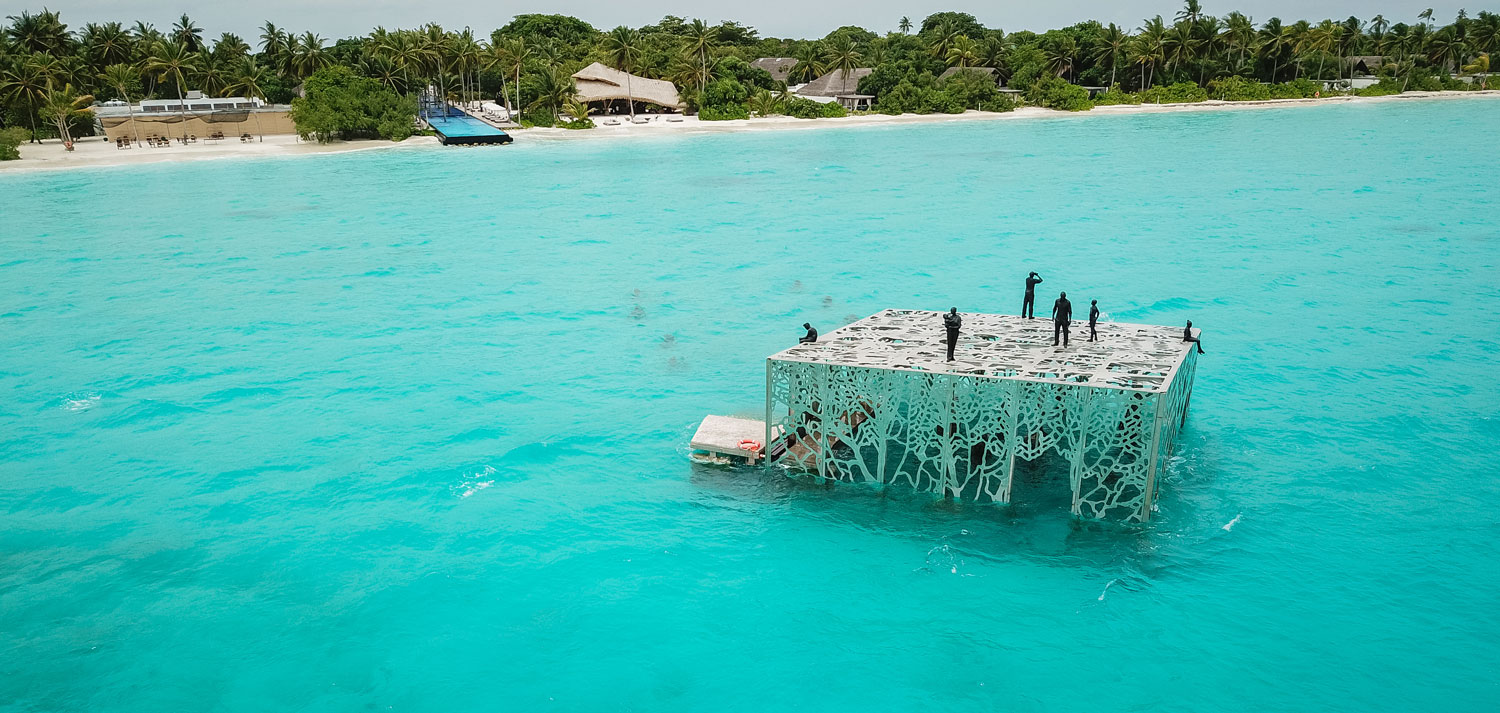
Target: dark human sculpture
{"x": 1093, "y": 320}
{"x": 1062, "y": 314}
{"x": 811, "y": 336}
{"x": 952, "y": 322}
{"x": 1028, "y": 307}
{"x": 1187, "y": 336}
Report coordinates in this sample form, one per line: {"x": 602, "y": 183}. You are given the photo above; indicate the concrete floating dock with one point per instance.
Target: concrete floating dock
{"x": 728, "y": 437}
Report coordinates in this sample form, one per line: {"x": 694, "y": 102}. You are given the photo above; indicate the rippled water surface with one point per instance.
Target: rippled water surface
{"x": 406, "y": 430}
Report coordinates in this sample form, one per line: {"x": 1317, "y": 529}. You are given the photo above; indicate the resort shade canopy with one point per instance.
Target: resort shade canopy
{"x": 597, "y": 82}
{"x": 834, "y": 83}
{"x": 780, "y": 68}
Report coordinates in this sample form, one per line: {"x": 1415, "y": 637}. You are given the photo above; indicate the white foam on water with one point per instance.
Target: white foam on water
{"x": 1107, "y": 585}
{"x": 80, "y": 401}
{"x": 1230, "y": 525}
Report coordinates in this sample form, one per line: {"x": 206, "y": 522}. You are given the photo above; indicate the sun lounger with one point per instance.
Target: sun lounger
{"x": 611, "y": 122}
{"x": 674, "y": 118}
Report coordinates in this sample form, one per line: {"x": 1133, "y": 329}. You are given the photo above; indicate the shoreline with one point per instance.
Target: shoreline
{"x": 94, "y": 152}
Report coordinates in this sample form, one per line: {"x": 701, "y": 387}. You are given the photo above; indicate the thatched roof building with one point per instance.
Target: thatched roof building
{"x": 834, "y": 83}
{"x": 779, "y": 67}
{"x": 1365, "y": 64}
{"x": 597, "y": 82}
{"x": 990, "y": 72}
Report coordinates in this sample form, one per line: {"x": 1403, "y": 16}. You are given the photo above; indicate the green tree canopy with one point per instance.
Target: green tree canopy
{"x": 341, "y": 104}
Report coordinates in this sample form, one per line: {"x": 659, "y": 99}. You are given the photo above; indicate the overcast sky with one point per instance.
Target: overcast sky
{"x": 774, "y": 18}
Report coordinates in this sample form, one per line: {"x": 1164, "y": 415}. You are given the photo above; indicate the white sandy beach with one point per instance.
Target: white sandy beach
{"x": 96, "y": 151}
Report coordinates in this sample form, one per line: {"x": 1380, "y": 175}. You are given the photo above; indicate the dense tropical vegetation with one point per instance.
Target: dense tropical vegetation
{"x": 49, "y": 72}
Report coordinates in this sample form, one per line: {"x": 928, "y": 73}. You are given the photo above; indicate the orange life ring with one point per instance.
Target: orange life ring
{"x": 749, "y": 444}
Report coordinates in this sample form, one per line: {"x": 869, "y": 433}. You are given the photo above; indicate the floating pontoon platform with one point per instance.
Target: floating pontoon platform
{"x": 724, "y": 438}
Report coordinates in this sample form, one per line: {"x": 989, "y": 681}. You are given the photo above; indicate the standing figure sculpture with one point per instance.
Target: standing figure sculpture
{"x": 1093, "y": 320}
{"x": 1187, "y": 336}
{"x": 952, "y": 322}
{"x": 1062, "y": 314}
{"x": 811, "y": 336}
{"x": 1028, "y": 307}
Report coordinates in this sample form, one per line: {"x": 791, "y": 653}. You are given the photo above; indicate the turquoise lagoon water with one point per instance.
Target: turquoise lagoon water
{"x": 406, "y": 430}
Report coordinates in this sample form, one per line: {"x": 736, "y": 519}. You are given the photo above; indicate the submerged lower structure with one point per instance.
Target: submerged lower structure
{"x": 876, "y": 401}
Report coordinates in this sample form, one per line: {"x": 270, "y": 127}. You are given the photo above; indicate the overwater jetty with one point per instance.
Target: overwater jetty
{"x": 876, "y": 401}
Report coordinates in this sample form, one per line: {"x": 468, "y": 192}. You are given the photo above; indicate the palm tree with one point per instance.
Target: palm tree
{"x": 250, "y": 81}
{"x": 1238, "y": 34}
{"x": 764, "y": 103}
{"x": 42, "y": 32}
{"x": 308, "y": 54}
{"x": 1425, "y": 15}
{"x": 407, "y": 54}
{"x": 510, "y": 56}
{"x": 1417, "y": 37}
{"x": 1275, "y": 40}
{"x": 1180, "y": 45}
{"x": 1059, "y": 55}
{"x": 121, "y": 76}
{"x": 1112, "y": 46}
{"x": 995, "y": 52}
{"x": 904, "y": 25}
{"x": 809, "y": 64}
{"x": 210, "y": 76}
{"x": 577, "y": 110}
{"x": 1348, "y": 43}
{"x": 468, "y": 56}
{"x": 273, "y": 42}
{"x": 1481, "y": 66}
{"x": 844, "y": 57}
{"x": 1484, "y": 33}
{"x": 381, "y": 68}
{"x": 701, "y": 37}
{"x": 1150, "y": 47}
{"x": 1192, "y": 12}
{"x": 230, "y": 48}
{"x": 1318, "y": 40}
{"x": 106, "y": 44}
{"x": 50, "y": 68}
{"x": 1446, "y": 49}
{"x": 25, "y": 84}
{"x": 188, "y": 33}
{"x": 963, "y": 53}
{"x": 556, "y": 88}
{"x": 623, "y": 47}
{"x": 943, "y": 36}
{"x": 62, "y": 105}
{"x": 145, "y": 38}
{"x": 172, "y": 60}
